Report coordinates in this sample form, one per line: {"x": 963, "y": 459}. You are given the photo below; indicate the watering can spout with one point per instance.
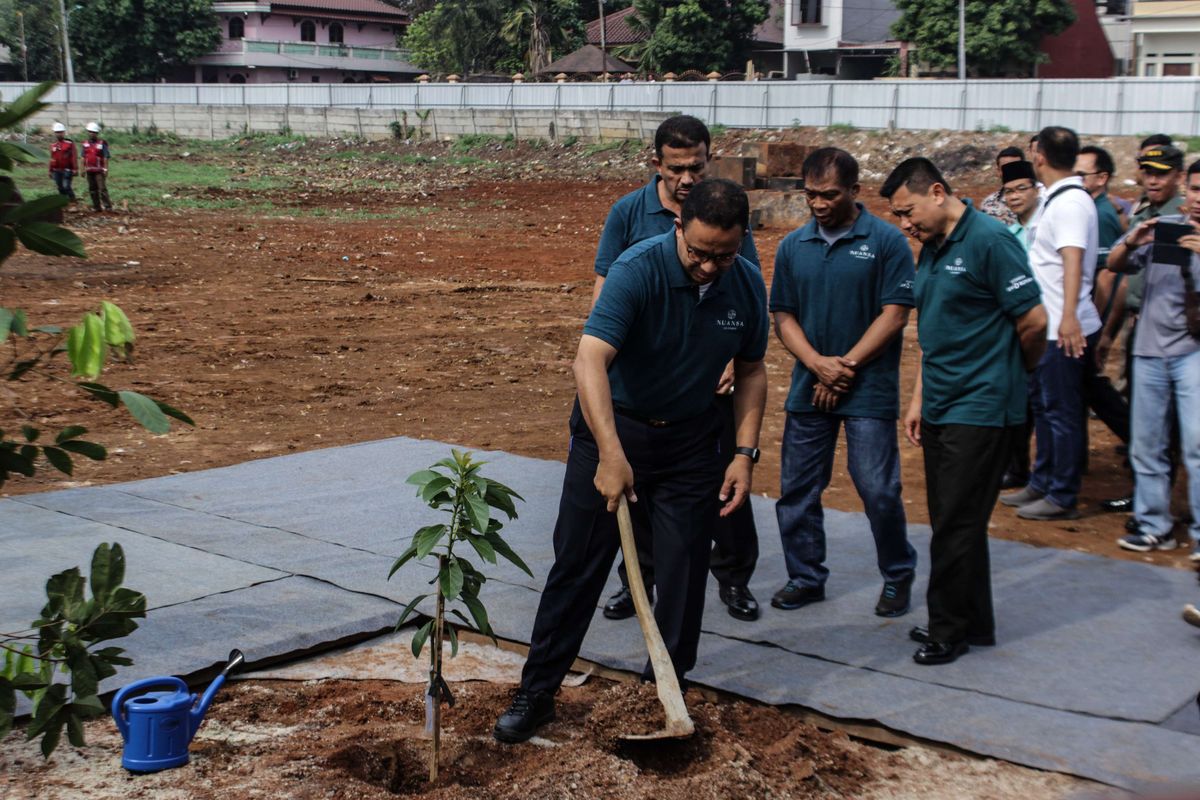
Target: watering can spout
{"x": 197, "y": 714}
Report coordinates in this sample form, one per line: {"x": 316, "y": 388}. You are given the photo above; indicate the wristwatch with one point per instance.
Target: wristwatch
{"x": 750, "y": 452}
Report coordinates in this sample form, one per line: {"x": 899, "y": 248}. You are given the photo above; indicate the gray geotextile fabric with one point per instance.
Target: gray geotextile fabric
{"x": 1094, "y": 674}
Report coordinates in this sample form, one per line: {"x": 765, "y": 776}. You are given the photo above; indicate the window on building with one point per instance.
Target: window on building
{"x": 237, "y": 78}
{"x": 237, "y": 28}
{"x": 1149, "y": 70}
{"x": 806, "y": 12}
{"x": 336, "y": 35}
{"x": 316, "y": 78}
{"x": 308, "y": 31}
{"x": 1176, "y": 69}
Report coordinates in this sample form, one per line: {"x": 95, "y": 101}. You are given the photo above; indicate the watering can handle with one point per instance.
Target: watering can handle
{"x": 118, "y": 702}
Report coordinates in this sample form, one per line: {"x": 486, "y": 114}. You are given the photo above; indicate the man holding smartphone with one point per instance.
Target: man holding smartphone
{"x": 1166, "y": 357}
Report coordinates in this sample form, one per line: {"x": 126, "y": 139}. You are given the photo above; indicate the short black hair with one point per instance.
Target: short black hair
{"x": 1153, "y": 139}
{"x": 1194, "y": 168}
{"x": 1104, "y": 161}
{"x": 718, "y": 202}
{"x": 828, "y": 160}
{"x": 916, "y": 175}
{"x": 1010, "y": 152}
{"x": 1059, "y": 146}
{"x": 681, "y": 131}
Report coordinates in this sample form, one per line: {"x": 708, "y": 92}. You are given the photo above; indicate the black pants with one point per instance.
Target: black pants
{"x": 98, "y": 189}
{"x": 735, "y": 538}
{"x": 677, "y": 473}
{"x": 963, "y": 466}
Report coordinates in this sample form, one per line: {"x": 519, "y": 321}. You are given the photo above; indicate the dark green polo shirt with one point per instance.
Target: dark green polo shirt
{"x": 671, "y": 346}
{"x": 638, "y": 216}
{"x": 969, "y": 292}
{"x": 835, "y": 292}
{"x": 1110, "y": 228}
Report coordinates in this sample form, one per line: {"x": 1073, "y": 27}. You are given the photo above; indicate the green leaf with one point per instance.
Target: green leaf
{"x": 28, "y": 104}
{"x": 500, "y": 496}
{"x": 174, "y": 413}
{"x": 451, "y": 580}
{"x": 422, "y": 477}
{"x": 54, "y": 330}
{"x": 453, "y": 635}
{"x": 408, "y": 609}
{"x": 84, "y": 681}
{"x": 49, "y": 239}
{"x": 59, "y": 459}
{"x": 100, "y": 391}
{"x": 6, "y": 318}
{"x": 418, "y": 641}
{"x": 433, "y": 488}
{"x": 427, "y": 538}
{"x": 30, "y": 433}
{"x": 88, "y": 707}
{"x": 52, "y": 736}
{"x": 479, "y": 614}
{"x": 11, "y": 461}
{"x": 19, "y": 325}
{"x": 75, "y": 731}
{"x": 145, "y": 411}
{"x": 85, "y": 347}
{"x": 483, "y": 547}
{"x": 8, "y": 706}
{"x": 460, "y": 615}
{"x": 46, "y": 711}
{"x": 108, "y": 570}
{"x": 34, "y": 209}
{"x": 404, "y": 558}
{"x": 70, "y": 432}
{"x": 95, "y": 452}
{"x": 478, "y": 511}
{"x": 503, "y": 549}
{"x": 118, "y": 331}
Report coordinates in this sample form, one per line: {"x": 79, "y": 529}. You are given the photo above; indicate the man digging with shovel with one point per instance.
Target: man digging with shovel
{"x": 674, "y": 310}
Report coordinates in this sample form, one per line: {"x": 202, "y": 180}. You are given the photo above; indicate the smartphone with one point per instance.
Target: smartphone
{"x": 1166, "y": 244}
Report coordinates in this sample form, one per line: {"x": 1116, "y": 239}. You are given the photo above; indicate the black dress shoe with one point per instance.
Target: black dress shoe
{"x": 528, "y": 712}
{"x": 894, "y": 599}
{"x": 1119, "y": 505}
{"x": 620, "y": 605}
{"x": 1012, "y": 480}
{"x": 920, "y": 635}
{"x": 932, "y": 653}
{"x": 740, "y": 602}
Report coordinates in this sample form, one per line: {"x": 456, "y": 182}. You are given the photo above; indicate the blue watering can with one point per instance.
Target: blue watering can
{"x": 158, "y": 726}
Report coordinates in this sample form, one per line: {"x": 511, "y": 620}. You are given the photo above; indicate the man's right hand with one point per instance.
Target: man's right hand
{"x": 1142, "y": 234}
{"x": 614, "y": 477}
{"x": 836, "y": 373}
{"x": 912, "y": 424}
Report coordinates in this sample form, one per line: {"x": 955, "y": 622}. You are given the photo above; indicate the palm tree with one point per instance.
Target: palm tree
{"x": 538, "y": 23}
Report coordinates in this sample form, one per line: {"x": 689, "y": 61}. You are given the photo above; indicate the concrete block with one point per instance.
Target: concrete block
{"x": 777, "y": 159}
{"x": 778, "y": 209}
{"x": 739, "y": 169}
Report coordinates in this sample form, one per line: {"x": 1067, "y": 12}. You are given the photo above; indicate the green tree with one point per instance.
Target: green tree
{"x": 458, "y": 36}
{"x": 1003, "y": 36}
{"x": 694, "y": 34}
{"x": 539, "y": 28}
{"x": 140, "y": 40}
{"x": 43, "y": 41}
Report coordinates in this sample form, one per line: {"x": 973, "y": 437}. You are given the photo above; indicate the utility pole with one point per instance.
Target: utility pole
{"x": 603, "y": 44}
{"x": 962, "y": 40}
{"x": 24, "y": 49}
{"x": 66, "y": 43}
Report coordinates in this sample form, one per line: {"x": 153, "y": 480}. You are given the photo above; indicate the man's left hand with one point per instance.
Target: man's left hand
{"x": 1191, "y": 242}
{"x": 1070, "y": 337}
{"x": 725, "y": 385}
{"x": 824, "y": 398}
{"x": 736, "y": 487}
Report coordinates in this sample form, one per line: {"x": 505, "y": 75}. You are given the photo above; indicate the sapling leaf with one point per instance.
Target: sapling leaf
{"x": 479, "y": 513}
{"x": 408, "y": 609}
{"x": 452, "y": 580}
{"x": 427, "y": 538}
{"x": 483, "y": 547}
{"x": 70, "y": 432}
{"x": 418, "y": 642}
{"x": 453, "y": 635}
{"x": 422, "y": 477}
{"x": 434, "y": 487}
{"x": 479, "y": 614}
{"x": 503, "y": 549}
{"x": 59, "y": 459}
{"x": 460, "y": 615}
{"x": 96, "y": 452}
{"x": 404, "y": 558}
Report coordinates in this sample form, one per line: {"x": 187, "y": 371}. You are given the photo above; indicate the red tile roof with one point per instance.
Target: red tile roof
{"x": 616, "y": 29}
{"x": 372, "y": 7}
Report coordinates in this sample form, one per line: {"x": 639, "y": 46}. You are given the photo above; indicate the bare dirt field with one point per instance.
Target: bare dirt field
{"x": 322, "y": 294}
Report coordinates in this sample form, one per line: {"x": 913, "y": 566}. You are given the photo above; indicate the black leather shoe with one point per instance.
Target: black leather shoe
{"x": 528, "y": 712}
{"x": 932, "y": 653}
{"x": 793, "y": 596}
{"x": 620, "y": 605}
{"x": 1118, "y": 505}
{"x": 1012, "y": 480}
{"x": 740, "y": 602}
{"x": 920, "y": 635}
{"x": 894, "y": 599}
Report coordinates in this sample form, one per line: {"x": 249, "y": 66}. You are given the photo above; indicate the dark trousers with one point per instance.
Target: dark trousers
{"x": 98, "y": 189}
{"x": 677, "y": 474}
{"x": 1102, "y": 397}
{"x": 735, "y": 538}
{"x": 62, "y": 181}
{"x": 1056, "y": 395}
{"x": 963, "y": 466}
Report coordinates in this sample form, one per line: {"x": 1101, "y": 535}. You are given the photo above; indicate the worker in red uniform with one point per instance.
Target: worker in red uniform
{"x": 95, "y": 164}
{"x": 64, "y": 162}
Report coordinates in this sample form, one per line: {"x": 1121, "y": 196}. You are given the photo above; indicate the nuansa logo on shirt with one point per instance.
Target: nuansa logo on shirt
{"x": 730, "y": 321}
{"x": 956, "y": 267}
{"x": 863, "y": 251}
{"x": 1018, "y": 282}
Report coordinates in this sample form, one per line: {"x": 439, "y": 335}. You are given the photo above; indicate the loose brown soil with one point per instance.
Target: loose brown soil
{"x": 363, "y": 740}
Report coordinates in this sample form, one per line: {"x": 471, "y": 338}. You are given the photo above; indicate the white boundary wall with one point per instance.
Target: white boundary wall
{"x": 1115, "y": 106}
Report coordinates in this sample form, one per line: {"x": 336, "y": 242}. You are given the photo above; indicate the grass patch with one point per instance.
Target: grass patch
{"x": 841, "y": 127}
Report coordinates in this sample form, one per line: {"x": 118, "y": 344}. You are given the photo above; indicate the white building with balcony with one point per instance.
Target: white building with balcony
{"x": 831, "y": 38}
{"x": 1166, "y": 38}
{"x": 307, "y": 41}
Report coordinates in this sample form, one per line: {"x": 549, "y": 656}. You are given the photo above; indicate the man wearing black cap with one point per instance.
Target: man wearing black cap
{"x": 994, "y": 205}
{"x": 1022, "y": 195}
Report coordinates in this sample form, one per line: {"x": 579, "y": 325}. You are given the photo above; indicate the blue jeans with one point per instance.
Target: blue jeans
{"x": 62, "y": 179}
{"x": 873, "y": 459}
{"x": 1056, "y": 396}
{"x": 1156, "y": 382}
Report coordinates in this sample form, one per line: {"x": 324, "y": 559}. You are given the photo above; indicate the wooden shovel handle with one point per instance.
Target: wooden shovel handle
{"x": 669, "y": 694}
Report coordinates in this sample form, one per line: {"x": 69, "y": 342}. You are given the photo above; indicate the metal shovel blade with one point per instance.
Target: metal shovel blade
{"x": 679, "y": 724}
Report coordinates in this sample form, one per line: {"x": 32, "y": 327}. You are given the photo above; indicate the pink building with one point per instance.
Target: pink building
{"x": 307, "y": 41}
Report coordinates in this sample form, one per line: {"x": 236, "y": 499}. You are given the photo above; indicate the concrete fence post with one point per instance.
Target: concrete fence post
{"x": 1196, "y": 112}
{"x": 829, "y": 106}
{"x": 766, "y": 105}
{"x": 599, "y": 133}
{"x": 962, "y": 106}
{"x": 212, "y": 125}
{"x": 895, "y": 107}
{"x": 1037, "y": 116}
{"x": 1119, "y": 108}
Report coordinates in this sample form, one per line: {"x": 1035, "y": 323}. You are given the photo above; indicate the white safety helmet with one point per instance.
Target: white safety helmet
{"x": 93, "y": 127}
{"x": 58, "y": 127}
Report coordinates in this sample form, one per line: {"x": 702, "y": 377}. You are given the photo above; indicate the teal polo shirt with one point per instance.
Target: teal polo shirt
{"x": 969, "y": 292}
{"x": 1110, "y": 228}
{"x": 638, "y": 216}
{"x": 835, "y": 292}
{"x": 671, "y": 346}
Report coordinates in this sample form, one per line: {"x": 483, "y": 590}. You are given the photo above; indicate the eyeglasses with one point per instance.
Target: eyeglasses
{"x": 702, "y": 256}
{"x": 1016, "y": 190}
